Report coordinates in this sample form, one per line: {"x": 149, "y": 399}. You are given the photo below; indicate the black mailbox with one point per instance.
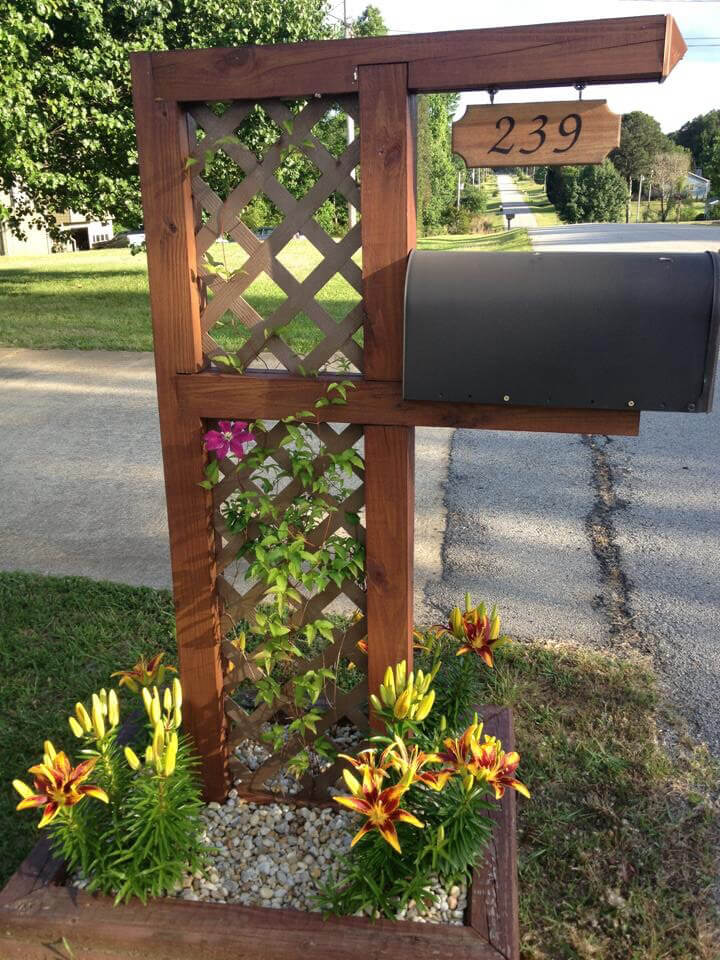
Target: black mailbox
{"x": 600, "y": 330}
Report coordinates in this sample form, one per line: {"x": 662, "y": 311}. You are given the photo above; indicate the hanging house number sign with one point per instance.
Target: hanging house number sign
{"x": 518, "y": 134}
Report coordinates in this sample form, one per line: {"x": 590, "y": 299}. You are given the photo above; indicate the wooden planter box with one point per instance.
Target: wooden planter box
{"x": 37, "y": 910}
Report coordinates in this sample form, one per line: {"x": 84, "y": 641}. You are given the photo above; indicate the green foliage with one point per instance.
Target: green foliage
{"x": 712, "y": 167}
{"x": 595, "y": 193}
{"x": 436, "y": 172}
{"x": 139, "y": 829}
{"x": 67, "y": 138}
{"x": 291, "y": 550}
{"x": 473, "y": 199}
{"x": 700, "y": 136}
{"x": 370, "y": 23}
{"x": 640, "y": 139}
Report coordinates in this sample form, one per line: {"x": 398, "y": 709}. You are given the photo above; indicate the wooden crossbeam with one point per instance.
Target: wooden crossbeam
{"x": 274, "y": 395}
{"x": 622, "y": 50}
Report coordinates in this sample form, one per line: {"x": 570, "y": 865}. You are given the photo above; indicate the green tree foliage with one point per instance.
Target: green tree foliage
{"x": 595, "y": 193}
{"x": 370, "y": 23}
{"x": 436, "y": 171}
{"x": 640, "y": 139}
{"x": 712, "y": 168}
{"x": 699, "y": 136}
{"x": 66, "y": 125}
{"x": 473, "y": 199}
{"x": 670, "y": 169}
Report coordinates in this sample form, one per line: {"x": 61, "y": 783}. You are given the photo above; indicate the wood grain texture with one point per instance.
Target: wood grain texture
{"x": 40, "y": 913}
{"x": 626, "y": 49}
{"x": 493, "y": 901}
{"x": 174, "y": 302}
{"x": 389, "y": 525}
{"x": 484, "y": 136}
{"x": 381, "y": 402}
{"x": 388, "y": 213}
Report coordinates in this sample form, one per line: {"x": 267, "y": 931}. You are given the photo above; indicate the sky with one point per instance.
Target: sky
{"x": 691, "y": 89}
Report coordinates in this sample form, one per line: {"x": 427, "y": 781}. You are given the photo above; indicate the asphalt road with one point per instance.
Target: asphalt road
{"x": 603, "y": 542}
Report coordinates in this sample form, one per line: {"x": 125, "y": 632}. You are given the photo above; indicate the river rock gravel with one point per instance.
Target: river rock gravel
{"x": 279, "y": 854}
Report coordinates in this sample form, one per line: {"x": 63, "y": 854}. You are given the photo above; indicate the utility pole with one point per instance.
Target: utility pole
{"x": 637, "y": 211}
{"x": 459, "y": 189}
{"x": 352, "y": 212}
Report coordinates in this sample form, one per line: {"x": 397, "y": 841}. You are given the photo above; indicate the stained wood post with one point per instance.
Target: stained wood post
{"x": 175, "y": 307}
{"x": 388, "y": 234}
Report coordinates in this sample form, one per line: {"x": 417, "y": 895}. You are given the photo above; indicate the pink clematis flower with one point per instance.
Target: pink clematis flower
{"x": 231, "y": 437}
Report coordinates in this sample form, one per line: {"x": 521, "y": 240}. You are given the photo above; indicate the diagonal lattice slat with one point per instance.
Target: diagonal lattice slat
{"x": 221, "y": 218}
{"x": 240, "y": 598}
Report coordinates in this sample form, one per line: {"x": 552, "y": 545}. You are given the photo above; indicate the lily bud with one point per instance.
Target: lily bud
{"x": 443, "y": 723}
{"x": 155, "y": 711}
{"x": 103, "y": 697}
{"x": 177, "y": 717}
{"x": 149, "y": 755}
{"x": 400, "y": 675}
{"x": 50, "y": 751}
{"x": 75, "y": 727}
{"x": 177, "y": 692}
{"x": 161, "y": 674}
{"x": 113, "y": 709}
{"x": 167, "y": 700}
{"x": 158, "y": 739}
{"x": 147, "y": 700}
{"x": 83, "y": 717}
{"x": 132, "y": 758}
{"x": 425, "y": 705}
{"x": 456, "y": 621}
{"x": 494, "y": 626}
{"x": 375, "y": 703}
{"x": 389, "y": 681}
{"x": 171, "y": 755}
{"x": 98, "y": 719}
{"x": 353, "y": 784}
{"x": 468, "y": 603}
{"x": 402, "y": 705}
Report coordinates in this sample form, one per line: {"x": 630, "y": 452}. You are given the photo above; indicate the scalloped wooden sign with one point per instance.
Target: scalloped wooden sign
{"x": 520, "y": 134}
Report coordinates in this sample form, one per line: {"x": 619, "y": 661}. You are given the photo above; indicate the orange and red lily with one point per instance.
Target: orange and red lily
{"x": 381, "y": 807}
{"x": 145, "y": 673}
{"x": 486, "y": 761}
{"x": 478, "y": 632}
{"x": 58, "y": 785}
{"x": 410, "y": 765}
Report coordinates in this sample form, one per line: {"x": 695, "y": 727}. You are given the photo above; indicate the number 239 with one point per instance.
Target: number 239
{"x": 570, "y": 126}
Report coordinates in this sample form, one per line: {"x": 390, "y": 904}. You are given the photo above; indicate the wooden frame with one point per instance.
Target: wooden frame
{"x": 37, "y": 911}
{"x": 384, "y": 72}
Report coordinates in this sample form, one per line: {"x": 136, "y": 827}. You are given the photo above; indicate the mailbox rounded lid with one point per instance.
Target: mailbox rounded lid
{"x": 603, "y": 330}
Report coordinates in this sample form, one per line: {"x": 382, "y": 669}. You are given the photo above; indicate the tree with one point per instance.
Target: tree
{"x": 713, "y": 167}
{"x": 640, "y": 139}
{"x": 370, "y": 23}
{"x": 436, "y": 170}
{"x": 699, "y": 136}
{"x": 595, "y": 193}
{"x": 669, "y": 171}
{"x": 67, "y": 138}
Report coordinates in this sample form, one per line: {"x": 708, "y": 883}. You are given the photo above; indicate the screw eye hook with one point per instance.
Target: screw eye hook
{"x": 580, "y": 86}
{"x": 492, "y": 91}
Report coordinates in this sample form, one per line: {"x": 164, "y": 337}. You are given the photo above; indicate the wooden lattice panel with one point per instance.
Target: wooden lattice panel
{"x": 221, "y": 217}
{"x": 240, "y": 598}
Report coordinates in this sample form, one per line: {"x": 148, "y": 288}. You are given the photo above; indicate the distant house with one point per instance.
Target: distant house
{"x": 698, "y": 186}
{"x": 79, "y": 233}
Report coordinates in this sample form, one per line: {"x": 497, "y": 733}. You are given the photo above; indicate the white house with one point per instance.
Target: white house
{"x": 79, "y": 233}
{"x": 698, "y": 186}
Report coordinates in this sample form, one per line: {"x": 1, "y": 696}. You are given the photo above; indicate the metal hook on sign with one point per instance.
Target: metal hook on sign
{"x": 580, "y": 87}
{"x": 492, "y": 91}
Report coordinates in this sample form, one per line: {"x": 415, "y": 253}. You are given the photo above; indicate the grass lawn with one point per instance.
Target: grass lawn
{"x": 99, "y": 299}
{"x": 538, "y": 202}
{"x": 616, "y": 845}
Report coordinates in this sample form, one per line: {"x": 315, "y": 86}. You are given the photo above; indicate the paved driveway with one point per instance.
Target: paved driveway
{"x": 511, "y": 199}
{"x": 645, "y": 237}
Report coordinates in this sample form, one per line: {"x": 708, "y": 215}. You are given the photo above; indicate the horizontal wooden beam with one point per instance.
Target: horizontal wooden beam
{"x": 271, "y": 396}
{"x": 622, "y": 50}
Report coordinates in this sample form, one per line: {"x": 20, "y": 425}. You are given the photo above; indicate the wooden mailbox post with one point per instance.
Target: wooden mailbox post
{"x": 376, "y": 78}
